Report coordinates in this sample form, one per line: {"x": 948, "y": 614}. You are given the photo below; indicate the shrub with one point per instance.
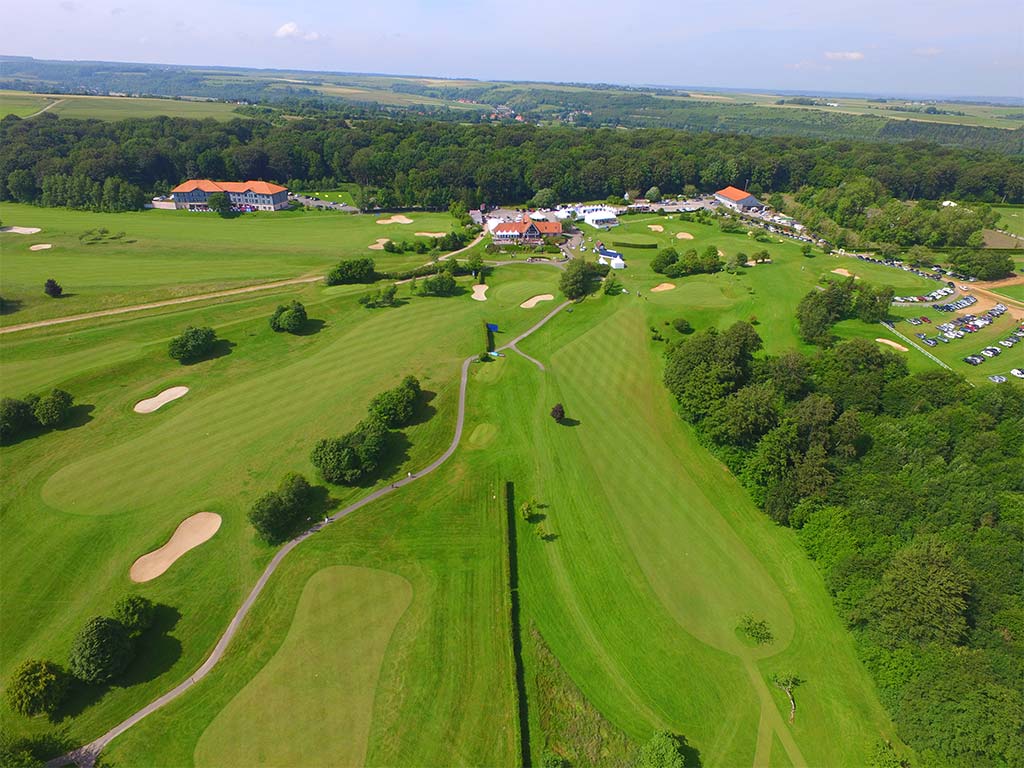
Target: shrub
{"x": 101, "y": 651}
{"x": 52, "y": 288}
{"x": 291, "y": 318}
{"x": 664, "y": 750}
{"x": 756, "y": 629}
{"x": 135, "y": 613}
{"x": 275, "y": 514}
{"x": 347, "y": 459}
{"x": 442, "y": 284}
{"x": 352, "y": 271}
{"x": 682, "y": 325}
{"x": 395, "y": 407}
{"x": 36, "y": 687}
{"x": 383, "y": 297}
{"x": 52, "y": 410}
{"x": 558, "y": 412}
{"x": 192, "y": 344}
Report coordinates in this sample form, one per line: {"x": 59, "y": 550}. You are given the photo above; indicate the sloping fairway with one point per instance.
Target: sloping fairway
{"x": 326, "y": 669}
{"x": 164, "y": 254}
{"x": 654, "y": 552}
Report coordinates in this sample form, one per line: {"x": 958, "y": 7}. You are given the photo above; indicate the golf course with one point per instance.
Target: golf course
{"x": 390, "y": 635}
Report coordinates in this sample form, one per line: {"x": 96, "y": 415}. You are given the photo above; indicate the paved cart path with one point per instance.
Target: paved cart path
{"x": 86, "y": 755}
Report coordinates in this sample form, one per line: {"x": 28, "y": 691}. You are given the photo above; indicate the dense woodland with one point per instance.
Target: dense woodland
{"x": 907, "y": 491}
{"x": 423, "y": 163}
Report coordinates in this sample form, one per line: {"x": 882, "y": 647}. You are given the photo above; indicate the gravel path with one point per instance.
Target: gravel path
{"x": 85, "y": 756}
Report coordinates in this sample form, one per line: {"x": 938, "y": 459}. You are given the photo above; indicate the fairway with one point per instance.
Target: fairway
{"x": 113, "y": 107}
{"x": 167, "y": 254}
{"x": 23, "y": 104}
{"x": 326, "y": 670}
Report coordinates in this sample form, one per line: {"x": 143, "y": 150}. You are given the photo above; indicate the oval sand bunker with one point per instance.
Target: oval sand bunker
{"x": 662, "y": 287}
{"x": 480, "y": 292}
{"x": 534, "y": 301}
{"x": 893, "y": 344}
{"x": 379, "y": 245}
{"x": 151, "y": 404}
{"x": 684, "y": 236}
{"x": 396, "y": 219}
{"x": 21, "y": 230}
{"x": 190, "y": 533}
{"x": 41, "y": 247}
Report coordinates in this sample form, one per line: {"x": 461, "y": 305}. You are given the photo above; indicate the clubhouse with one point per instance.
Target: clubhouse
{"x": 525, "y": 231}
{"x": 243, "y": 195}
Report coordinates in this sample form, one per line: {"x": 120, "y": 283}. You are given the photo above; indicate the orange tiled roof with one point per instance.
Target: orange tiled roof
{"x": 259, "y": 187}
{"x": 733, "y": 194}
{"x": 544, "y": 227}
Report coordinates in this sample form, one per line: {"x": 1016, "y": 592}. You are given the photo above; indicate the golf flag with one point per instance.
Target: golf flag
{"x": 492, "y": 327}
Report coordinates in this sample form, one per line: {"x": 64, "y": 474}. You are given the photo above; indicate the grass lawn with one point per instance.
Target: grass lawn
{"x": 636, "y": 572}
{"x": 22, "y": 104}
{"x": 123, "y": 107}
{"x": 1011, "y": 218}
{"x": 343, "y": 196}
{"x": 328, "y": 663}
{"x": 164, "y": 254}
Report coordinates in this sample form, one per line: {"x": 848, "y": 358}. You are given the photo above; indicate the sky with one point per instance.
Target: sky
{"x": 887, "y": 47}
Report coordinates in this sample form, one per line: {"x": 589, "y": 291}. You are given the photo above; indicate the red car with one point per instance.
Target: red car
{"x": 925, "y": 319}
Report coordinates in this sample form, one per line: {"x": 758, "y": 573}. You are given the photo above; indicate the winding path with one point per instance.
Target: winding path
{"x": 86, "y": 756}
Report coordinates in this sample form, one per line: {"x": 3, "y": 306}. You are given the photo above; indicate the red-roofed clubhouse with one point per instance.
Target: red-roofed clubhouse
{"x": 245, "y": 195}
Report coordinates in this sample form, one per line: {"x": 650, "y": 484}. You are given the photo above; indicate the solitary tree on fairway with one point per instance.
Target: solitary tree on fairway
{"x": 52, "y": 409}
{"x": 101, "y": 651}
{"x": 558, "y": 412}
{"x": 37, "y": 687}
{"x": 664, "y": 750}
{"x": 52, "y": 288}
{"x": 291, "y": 317}
{"x": 787, "y": 681}
{"x": 192, "y": 344}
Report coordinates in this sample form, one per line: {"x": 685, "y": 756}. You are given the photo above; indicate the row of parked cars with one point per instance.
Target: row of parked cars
{"x": 934, "y": 272}
{"x": 1015, "y": 337}
{"x": 962, "y": 303}
{"x": 935, "y": 295}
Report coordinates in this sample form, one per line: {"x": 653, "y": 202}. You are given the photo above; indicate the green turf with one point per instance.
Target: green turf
{"x": 121, "y": 108}
{"x": 328, "y": 665}
{"x": 653, "y": 550}
{"x": 22, "y": 104}
{"x": 164, "y": 254}
{"x": 1011, "y": 218}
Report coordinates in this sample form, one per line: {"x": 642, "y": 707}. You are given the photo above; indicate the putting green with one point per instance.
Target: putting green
{"x": 312, "y": 704}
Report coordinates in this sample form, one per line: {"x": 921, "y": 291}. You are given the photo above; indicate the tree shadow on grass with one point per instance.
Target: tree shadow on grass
{"x": 78, "y": 415}
{"x": 569, "y": 422}
{"x": 424, "y": 411}
{"x": 396, "y": 453}
{"x": 320, "y": 505}
{"x": 156, "y": 651}
{"x": 536, "y": 517}
{"x": 220, "y": 348}
{"x": 10, "y": 306}
{"x": 549, "y": 537}
{"x": 311, "y": 327}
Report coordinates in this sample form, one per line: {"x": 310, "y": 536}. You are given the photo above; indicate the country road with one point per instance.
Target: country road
{"x": 85, "y": 757}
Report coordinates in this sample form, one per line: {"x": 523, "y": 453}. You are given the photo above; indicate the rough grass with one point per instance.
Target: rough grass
{"x": 570, "y": 726}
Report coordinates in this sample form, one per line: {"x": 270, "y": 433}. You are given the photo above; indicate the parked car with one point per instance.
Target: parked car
{"x": 1018, "y": 372}
{"x": 997, "y": 379}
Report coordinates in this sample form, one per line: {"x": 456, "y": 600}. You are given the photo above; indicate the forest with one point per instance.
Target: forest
{"x": 430, "y": 164}
{"x": 906, "y": 491}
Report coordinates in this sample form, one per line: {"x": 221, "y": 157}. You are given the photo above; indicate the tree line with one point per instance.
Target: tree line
{"x": 906, "y": 490}
{"x": 430, "y": 164}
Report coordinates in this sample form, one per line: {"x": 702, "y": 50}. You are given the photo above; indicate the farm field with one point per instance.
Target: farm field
{"x": 21, "y": 103}
{"x": 165, "y": 254}
{"x": 113, "y": 107}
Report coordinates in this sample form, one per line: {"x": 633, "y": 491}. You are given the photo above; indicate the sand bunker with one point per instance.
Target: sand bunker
{"x": 845, "y": 273}
{"x": 429, "y": 234}
{"x": 192, "y": 532}
{"x": 396, "y": 219}
{"x": 151, "y": 404}
{"x": 379, "y": 245}
{"x": 891, "y": 343}
{"x": 533, "y": 301}
{"x": 41, "y": 247}
{"x": 684, "y": 236}
{"x": 20, "y": 230}
{"x": 662, "y": 287}
{"x": 655, "y": 227}
{"x": 480, "y": 292}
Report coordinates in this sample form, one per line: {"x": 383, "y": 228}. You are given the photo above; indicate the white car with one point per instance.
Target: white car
{"x": 1019, "y": 373}
{"x": 997, "y": 379}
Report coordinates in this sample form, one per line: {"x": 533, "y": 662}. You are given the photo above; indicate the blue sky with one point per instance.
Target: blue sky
{"x": 877, "y": 46}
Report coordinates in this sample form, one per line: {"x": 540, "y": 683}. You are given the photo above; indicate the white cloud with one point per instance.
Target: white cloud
{"x": 292, "y": 30}
{"x": 930, "y": 51}
{"x": 844, "y": 55}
